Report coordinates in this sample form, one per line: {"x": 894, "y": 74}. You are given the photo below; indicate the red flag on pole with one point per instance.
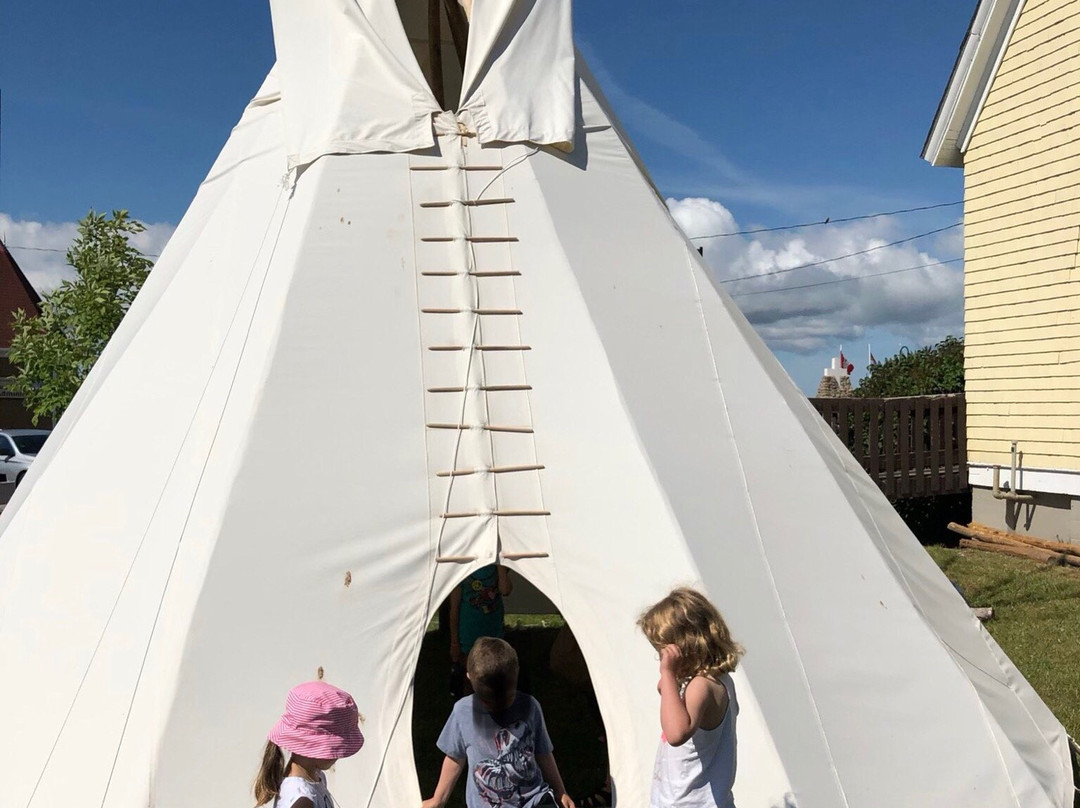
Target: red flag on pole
{"x": 844, "y": 363}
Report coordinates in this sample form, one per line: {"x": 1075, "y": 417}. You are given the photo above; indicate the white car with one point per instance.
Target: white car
{"x": 18, "y": 448}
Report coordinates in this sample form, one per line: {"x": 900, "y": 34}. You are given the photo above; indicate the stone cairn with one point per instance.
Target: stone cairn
{"x": 835, "y": 382}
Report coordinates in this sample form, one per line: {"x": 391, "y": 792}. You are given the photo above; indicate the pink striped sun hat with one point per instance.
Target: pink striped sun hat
{"x": 320, "y": 722}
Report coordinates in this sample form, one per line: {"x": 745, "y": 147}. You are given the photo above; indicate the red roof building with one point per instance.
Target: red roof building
{"x": 15, "y": 293}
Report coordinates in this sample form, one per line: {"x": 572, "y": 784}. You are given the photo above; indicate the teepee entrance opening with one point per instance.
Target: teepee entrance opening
{"x": 438, "y": 31}
{"x": 553, "y": 671}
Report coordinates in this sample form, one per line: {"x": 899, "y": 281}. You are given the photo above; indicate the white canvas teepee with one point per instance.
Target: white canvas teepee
{"x": 389, "y": 344}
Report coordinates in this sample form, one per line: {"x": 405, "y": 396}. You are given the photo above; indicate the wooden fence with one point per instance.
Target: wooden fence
{"x": 911, "y": 447}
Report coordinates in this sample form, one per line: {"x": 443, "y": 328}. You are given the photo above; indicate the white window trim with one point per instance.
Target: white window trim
{"x": 1036, "y": 480}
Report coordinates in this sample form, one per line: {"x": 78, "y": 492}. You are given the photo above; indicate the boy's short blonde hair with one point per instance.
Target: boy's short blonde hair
{"x": 493, "y": 671}
{"x": 687, "y": 619}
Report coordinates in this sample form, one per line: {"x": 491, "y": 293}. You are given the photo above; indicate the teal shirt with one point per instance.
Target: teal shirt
{"x": 481, "y": 607}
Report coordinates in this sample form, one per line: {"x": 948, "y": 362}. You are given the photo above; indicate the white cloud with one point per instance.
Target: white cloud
{"x": 40, "y": 247}
{"x": 918, "y": 305}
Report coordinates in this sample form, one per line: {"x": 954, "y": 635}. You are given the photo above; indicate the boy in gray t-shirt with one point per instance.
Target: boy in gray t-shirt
{"x": 499, "y": 735}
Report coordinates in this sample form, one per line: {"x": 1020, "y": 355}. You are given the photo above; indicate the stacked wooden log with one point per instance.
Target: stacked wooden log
{"x": 981, "y": 537}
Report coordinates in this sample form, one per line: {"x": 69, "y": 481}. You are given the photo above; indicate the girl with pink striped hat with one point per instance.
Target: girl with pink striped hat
{"x": 320, "y": 726}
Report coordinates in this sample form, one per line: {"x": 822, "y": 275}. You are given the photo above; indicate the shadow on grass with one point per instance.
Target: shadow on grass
{"x": 575, "y": 733}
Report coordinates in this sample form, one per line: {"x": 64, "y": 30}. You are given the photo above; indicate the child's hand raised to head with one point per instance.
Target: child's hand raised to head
{"x": 669, "y": 659}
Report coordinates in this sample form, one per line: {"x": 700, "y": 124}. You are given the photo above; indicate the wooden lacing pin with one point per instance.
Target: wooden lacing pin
{"x": 463, "y": 168}
{"x": 468, "y": 203}
{"x": 475, "y": 514}
{"x": 455, "y": 559}
{"x": 319, "y": 673}
{"x": 520, "y": 556}
{"x": 491, "y": 470}
{"x": 348, "y": 578}
{"x": 486, "y": 239}
{"x": 475, "y": 203}
{"x": 484, "y": 388}
{"x": 490, "y": 273}
{"x": 452, "y": 348}
{"x": 487, "y": 312}
{"x": 521, "y": 430}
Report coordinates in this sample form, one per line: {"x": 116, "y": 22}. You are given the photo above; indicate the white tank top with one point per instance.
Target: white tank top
{"x": 293, "y": 788}
{"x": 701, "y": 772}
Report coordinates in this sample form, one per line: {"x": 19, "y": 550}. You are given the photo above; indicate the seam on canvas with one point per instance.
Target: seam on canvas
{"x": 757, "y": 534}
{"x": 525, "y": 374}
{"x": 432, "y": 544}
{"x": 195, "y": 494}
{"x": 138, "y": 549}
{"x": 433, "y": 573}
{"x": 883, "y": 545}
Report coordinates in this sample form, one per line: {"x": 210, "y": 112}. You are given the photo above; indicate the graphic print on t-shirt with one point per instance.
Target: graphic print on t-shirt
{"x": 483, "y": 593}
{"x": 501, "y": 780}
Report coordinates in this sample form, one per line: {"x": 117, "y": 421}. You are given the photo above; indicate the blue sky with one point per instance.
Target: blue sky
{"x": 747, "y": 114}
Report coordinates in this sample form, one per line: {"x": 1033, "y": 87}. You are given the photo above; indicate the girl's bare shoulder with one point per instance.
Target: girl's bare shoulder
{"x": 705, "y": 686}
{"x": 711, "y": 696}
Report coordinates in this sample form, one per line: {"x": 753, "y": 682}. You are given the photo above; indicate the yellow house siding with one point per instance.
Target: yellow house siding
{"x": 1021, "y": 238}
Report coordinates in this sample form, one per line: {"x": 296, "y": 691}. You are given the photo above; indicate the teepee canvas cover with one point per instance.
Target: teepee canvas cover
{"x": 390, "y": 343}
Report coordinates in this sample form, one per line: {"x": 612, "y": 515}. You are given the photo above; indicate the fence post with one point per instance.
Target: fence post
{"x": 918, "y": 435}
{"x": 947, "y": 442}
{"x": 890, "y": 445}
{"x": 961, "y": 480}
{"x": 937, "y": 484}
{"x": 859, "y": 410}
{"x": 874, "y": 447}
{"x": 904, "y": 435}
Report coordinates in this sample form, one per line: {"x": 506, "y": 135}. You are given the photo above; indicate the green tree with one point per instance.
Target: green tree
{"x": 928, "y": 371}
{"x": 53, "y": 352}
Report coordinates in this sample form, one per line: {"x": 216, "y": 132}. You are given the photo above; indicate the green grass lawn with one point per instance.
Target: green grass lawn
{"x": 1036, "y": 619}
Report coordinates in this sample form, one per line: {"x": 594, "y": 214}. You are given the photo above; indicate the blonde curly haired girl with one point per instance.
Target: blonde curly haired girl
{"x": 695, "y": 761}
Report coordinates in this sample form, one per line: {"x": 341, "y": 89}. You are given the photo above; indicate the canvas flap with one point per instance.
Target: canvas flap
{"x": 350, "y": 83}
{"x": 519, "y": 72}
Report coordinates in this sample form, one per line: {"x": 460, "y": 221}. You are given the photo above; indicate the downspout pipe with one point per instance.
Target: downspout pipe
{"x": 1010, "y": 493}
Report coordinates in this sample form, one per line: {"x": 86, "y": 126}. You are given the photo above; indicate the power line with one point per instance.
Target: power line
{"x": 33, "y": 249}
{"x": 62, "y": 250}
{"x": 846, "y": 280}
{"x": 840, "y": 257}
{"x": 830, "y": 220}
{"x": 825, "y": 221}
